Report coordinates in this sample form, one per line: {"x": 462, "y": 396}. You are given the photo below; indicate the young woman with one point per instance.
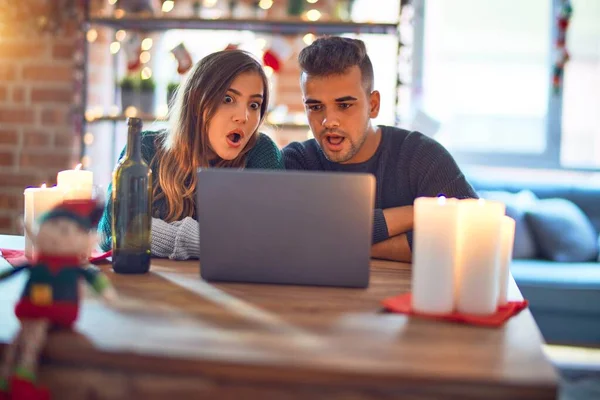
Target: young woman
{"x": 214, "y": 123}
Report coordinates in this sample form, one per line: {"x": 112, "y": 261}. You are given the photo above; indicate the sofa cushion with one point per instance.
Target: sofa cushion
{"x": 516, "y": 206}
{"x": 550, "y": 274}
{"x": 564, "y": 298}
{"x": 562, "y": 231}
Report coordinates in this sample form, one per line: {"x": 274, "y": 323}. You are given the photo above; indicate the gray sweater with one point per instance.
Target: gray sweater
{"x": 406, "y": 165}
{"x": 179, "y": 240}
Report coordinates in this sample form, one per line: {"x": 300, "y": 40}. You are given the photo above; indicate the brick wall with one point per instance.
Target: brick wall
{"x": 37, "y": 133}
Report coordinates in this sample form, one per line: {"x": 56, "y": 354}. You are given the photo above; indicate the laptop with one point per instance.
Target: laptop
{"x": 285, "y": 227}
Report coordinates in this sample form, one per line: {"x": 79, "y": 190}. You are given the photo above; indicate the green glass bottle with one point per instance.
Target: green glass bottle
{"x": 132, "y": 207}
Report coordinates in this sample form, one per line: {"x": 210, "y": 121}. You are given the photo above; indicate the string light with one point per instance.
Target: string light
{"x": 120, "y": 35}
{"x": 131, "y": 112}
{"x": 144, "y": 57}
{"x": 115, "y": 47}
{"x": 168, "y": 6}
{"x": 88, "y": 139}
{"x": 311, "y": 1}
{"x": 92, "y": 35}
{"x": 309, "y": 38}
{"x": 313, "y": 15}
{"x": 147, "y": 44}
{"x": 86, "y": 161}
{"x": 146, "y": 73}
{"x": 265, "y": 4}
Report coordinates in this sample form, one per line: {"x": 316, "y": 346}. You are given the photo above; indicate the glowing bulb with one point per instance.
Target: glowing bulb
{"x": 144, "y": 57}
{"x": 168, "y": 6}
{"x": 311, "y": 1}
{"x": 92, "y": 35}
{"x": 313, "y": 15}
{"x": 120, "y": 35}
{"x": 265, "y": 4}
{"x": 115, "y": 47}
{"x": 210, "y": 3}
{"x": 147, "y": 44}
{"x": 119, "y": 13}
{"x": 86, "y": 160}
{"x": 309, "y": 38}
{"x": 146, "y": 73}
{"x": 131, "y": 112}
{"x": 88, "y": 139}
{"x": 112, "y": 2}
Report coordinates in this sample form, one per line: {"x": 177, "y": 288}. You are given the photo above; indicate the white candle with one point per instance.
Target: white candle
{"x": 506, "y": 248}
{"x": 37, "y": 202}
{"x": 479, "y": 232}
{"x": 434, "y": 249}
{"x": 76, "y": 183}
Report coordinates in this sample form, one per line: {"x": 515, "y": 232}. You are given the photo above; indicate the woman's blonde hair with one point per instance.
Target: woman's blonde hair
{"x": 185, "y": 146}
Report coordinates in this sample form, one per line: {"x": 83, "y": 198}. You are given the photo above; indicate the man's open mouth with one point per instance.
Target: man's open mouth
{"x": 334, "y": 139}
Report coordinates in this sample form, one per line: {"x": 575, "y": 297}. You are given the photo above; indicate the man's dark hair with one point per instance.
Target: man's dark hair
{"x": 333, "y": 55}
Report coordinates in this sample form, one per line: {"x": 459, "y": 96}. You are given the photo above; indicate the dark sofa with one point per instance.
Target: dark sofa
{"x": 564, "y": 296}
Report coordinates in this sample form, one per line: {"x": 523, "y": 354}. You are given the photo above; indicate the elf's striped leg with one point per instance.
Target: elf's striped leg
{"x": 8, "y": 362}
{"x": 23, "y": 384}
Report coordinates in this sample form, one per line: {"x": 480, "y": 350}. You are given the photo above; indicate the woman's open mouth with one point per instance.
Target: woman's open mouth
{"x": 234, "y": 139}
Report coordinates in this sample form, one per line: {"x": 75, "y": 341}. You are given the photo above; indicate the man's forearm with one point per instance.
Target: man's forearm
{"x": 399, "y": 220}
{"x": 395, "y": 248}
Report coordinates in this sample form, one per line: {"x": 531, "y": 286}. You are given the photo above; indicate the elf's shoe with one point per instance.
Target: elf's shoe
{"x": 23, "y": 387}
{"x": 4, "y": 392}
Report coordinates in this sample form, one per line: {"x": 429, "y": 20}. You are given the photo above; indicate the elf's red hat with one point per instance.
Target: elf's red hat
{"x": 86, "y": 213}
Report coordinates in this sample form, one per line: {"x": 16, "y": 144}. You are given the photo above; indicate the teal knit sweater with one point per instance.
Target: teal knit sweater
{"x": 264, "y": 155}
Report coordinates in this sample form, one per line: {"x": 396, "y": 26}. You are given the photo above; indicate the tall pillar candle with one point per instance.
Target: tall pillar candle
{"x": 76, "y": 183}
{"x": 37, "y": 202}
{"x": 434, "y": 248}
{"x": 479, "y": 237}
{"x": 505, "y": 258}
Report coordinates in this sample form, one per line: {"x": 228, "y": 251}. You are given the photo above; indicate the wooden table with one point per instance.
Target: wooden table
{"x": 193, "y": 339}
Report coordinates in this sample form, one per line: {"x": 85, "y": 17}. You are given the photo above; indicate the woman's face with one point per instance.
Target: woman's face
{"x": 237, "y": 116}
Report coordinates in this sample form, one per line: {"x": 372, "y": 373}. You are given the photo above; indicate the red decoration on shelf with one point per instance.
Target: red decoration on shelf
{"x": 277, "y": 53}
{"x": 562, "y": 55}
{"x": 183, "y": 57}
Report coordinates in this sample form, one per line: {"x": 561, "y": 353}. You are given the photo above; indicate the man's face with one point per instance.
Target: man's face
{"x": 339, "y": 113}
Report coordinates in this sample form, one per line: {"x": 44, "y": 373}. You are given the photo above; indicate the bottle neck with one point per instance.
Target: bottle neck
{"x": 134, "y": 146}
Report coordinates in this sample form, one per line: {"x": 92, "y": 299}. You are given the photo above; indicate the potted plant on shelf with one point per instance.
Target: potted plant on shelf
{"x": 171, "y": 89}
{"x": 147, "y": 87}
{"x": 128, "y": 86}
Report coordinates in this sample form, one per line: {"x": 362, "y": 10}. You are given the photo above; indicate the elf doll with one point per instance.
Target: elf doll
{"x": 50, "y": 299}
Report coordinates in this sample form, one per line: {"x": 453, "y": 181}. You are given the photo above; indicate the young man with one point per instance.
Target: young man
{"x": 337, "y": 89}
